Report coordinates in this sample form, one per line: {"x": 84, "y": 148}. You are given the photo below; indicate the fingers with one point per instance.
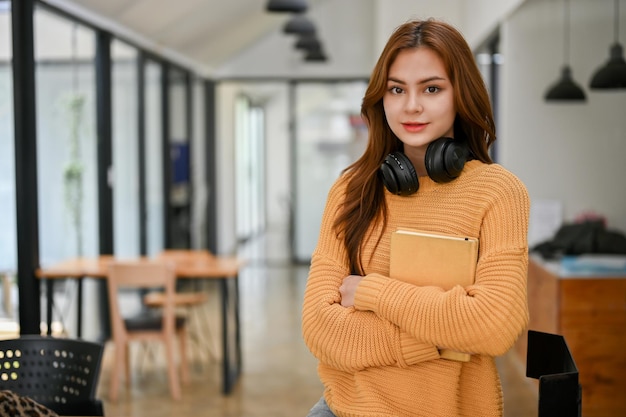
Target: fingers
{"x": 348, "y": 289}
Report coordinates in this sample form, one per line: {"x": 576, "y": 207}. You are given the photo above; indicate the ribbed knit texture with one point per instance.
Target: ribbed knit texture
{"x": 380, "y": 357}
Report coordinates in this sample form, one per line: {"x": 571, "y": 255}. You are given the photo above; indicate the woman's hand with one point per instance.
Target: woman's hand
{"x": 348, "y": 289}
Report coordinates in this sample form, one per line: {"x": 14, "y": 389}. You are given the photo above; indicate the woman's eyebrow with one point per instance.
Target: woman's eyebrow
{"x": 395, "y": 80}
{"x": 422, "y": 81}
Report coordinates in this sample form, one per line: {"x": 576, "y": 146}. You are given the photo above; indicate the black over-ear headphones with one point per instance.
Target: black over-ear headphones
{"x": 445, "y": 159}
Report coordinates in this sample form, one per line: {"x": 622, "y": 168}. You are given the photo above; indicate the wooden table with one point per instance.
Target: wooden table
{"x": 589, "y": 311}
{"x": 192, "y": 265}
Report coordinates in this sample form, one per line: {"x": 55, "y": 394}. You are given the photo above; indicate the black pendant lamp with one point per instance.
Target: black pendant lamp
{"x": 287, "y": 6}
{"x": 299, "y": 25}
{"x": 612, "y": 75}
{"x": 308, "y": 42}
{"x": 566, "y": 89}
{"x": 315, "y": 55}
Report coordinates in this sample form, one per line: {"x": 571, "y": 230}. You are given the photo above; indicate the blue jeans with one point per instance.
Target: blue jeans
{"x": 320, "y": 409}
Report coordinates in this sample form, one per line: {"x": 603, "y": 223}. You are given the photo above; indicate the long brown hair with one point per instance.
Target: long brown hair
{"x": 365, "y": 197}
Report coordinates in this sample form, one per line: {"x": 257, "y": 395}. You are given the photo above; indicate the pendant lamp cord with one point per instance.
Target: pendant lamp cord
{"x": 75, "y": 58}
{"x": 566, "y": 30}
{"x": 616, "y": 27}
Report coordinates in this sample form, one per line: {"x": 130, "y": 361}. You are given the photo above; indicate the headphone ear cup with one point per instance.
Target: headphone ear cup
{"x": 398, "y": 174}
{"x": 445, "y": 159}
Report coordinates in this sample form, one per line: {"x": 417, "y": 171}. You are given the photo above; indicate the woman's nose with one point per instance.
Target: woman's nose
{"x": 413, "y": 103}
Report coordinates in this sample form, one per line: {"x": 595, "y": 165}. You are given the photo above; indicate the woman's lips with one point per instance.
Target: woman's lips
{"x": 414, "y": 127}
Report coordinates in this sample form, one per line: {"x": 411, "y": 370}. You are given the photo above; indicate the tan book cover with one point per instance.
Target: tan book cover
{"x": 424, "y": 258}
{"x": 430, "y": 259}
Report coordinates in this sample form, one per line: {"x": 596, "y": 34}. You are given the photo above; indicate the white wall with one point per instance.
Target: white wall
{"x": 481, "y": 17}
{"x": 570, "y": 152}
{"x": 390, "y": 17}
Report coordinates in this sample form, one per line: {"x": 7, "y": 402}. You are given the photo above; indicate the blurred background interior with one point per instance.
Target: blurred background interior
{"x": 131, "y": 127}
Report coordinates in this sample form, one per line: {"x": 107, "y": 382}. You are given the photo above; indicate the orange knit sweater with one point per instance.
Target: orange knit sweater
{"x": 380, "y": 357}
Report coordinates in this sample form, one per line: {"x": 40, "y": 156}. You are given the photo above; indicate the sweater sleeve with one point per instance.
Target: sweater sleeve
{"x": 345, "y": 338}
{"x": 484, "y": 318}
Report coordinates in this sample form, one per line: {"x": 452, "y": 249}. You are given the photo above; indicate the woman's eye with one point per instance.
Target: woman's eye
{"x": 395, "y": 90}
{"x": 432, "y": 89}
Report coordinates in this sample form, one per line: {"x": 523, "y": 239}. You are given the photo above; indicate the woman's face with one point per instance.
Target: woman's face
{"x": 419, "y": 101}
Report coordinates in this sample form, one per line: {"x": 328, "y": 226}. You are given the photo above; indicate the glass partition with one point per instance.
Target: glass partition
{"x": 257, "y": 169}
{"x": 66, "y": 138}
{"x": 330, "y": 135}
{"x": 155, "y": 217}
{"x": 125, "y": 173}
{"x": 179, "y": 141}
{"x": 242, "y": 181}
{"x": 250, "y": 168}
{"x": 66, "y": 156}
{"x": 200, "y": 190}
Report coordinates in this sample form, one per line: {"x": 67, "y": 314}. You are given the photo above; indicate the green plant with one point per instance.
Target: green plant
{"x": 73, "y": 173}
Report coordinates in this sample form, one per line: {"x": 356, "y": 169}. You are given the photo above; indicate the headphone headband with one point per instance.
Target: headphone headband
{"x": 444, "y": 160}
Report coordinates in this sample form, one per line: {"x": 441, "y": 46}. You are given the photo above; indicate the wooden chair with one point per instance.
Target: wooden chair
{"x": 165, "y": 326}
{"x": 59, "y": 373}
{"x": 192, "y": 301}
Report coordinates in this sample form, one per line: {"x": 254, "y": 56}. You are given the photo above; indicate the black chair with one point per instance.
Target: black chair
{"x": 60, "y": 373}
{"x": 549, "y": 360}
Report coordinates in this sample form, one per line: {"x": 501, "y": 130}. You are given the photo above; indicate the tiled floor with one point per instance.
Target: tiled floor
{"x": 279, "y": 377}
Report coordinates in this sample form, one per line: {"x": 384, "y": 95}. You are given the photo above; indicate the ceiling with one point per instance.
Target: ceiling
{"x": 201, "y": 33}
{"x": 207, "y": 36}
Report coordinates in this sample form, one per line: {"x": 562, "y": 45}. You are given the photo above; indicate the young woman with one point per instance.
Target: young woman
{"x": 427, "y": 167}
